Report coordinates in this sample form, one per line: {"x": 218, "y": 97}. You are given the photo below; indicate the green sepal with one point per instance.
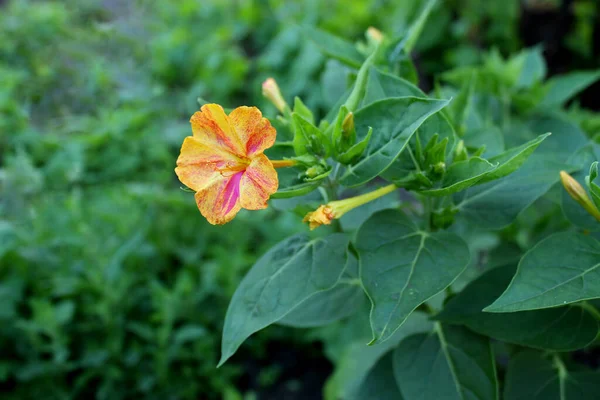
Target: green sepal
{"x": 356, "y": 150}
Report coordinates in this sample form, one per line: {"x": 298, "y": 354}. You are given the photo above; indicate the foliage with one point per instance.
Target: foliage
{"x": 112, "y": 287}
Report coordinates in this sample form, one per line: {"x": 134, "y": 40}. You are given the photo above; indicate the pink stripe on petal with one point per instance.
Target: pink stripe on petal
{"x": 231, "y": 193}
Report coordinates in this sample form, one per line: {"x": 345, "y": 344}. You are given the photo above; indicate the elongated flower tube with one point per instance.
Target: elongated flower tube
{"x": 335, "y": 209}
{"x": 223, "y": 162}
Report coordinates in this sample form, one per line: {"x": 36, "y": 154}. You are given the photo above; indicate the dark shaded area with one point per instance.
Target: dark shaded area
{"x": 549, "y": 27}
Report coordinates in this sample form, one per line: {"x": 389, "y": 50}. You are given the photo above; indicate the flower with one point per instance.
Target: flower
{"x": 335, "y": 209}
{"x": 223, "y": 162}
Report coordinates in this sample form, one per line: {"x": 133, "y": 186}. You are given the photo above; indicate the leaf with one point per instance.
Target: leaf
{"x": 288, "y": 274}
{"x": 561, "y": 269}
{"x": 490, "y": 137}
{"x": 393, "y": 121}
{"x": 382, "y": 86}
{"x": 329, "y": 306}
{"x": 512, "y": 159}
{"x": 533, "y": 375}
{"x": 560, "y": 329}
{"x": 496, "y": 204}
{"x": 534, "y": 68}
{"x": 359, "y": 359}
{"x": 401, "y": 267}
{"x": 458, "y": 365}
{"x": 335, "y": 47}
{"x": 379, "y": 383}
{"x": 308, "y": 137}
{"x": 461, "y": 175}
{"x": 562, "y": 88}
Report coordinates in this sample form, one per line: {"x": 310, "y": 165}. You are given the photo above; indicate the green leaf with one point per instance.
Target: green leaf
{"x": 393, "y": 121}
{"x": 561, "y": 269}
{"x": 335, "y": 47}
{"x": 401, "y": 267}
{"x": 287, "y": 275}
{"x": 458, "y": 365}
{"x": 496, "y": 204}
{"x": 308, "y": 138}
{"x": 382, "y": 86}
{"x": 537, "y": 376}
{"x": 562, "y": 88}
{"x": 534, "y": 68}
{"x": 490, "y": 137}
{"x": 341, "y": 301}
{"x": 562, "y": 329}
{"x": 356, "y": 150}
{"x": 302, "y": 110}
{"x": 359, "y": 359}
{"x": 379, "y": 383}
{"x": 512, "y": 159}
{"x": 461, "y": 175}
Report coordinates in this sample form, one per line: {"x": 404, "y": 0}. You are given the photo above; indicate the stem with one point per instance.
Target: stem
{"x": 348, "y": 204}
{"x": 283, "y": 163}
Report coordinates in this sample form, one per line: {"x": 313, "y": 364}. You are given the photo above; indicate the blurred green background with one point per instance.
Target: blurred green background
{"x": 112, "y": 285}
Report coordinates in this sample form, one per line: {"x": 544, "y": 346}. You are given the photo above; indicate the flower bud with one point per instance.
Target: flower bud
{"x": 374, "y": 34}
{"x": 348, "y": 125}
{"x": 578, "y": 193}
{"x": 271, "y": 91}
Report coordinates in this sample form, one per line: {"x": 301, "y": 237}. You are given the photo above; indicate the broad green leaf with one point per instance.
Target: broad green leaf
{"x": 512, "y": 159}
{"x": 393, "y": 121}
{"x": 380, "y": 383}
{"x": 496, "y": 204}
{"x": 325, "y": 307}
{"x": 561, "y": 329}
{"x": 287, "y": 275}
{"x": 561, "y": 269}
{"x": 532, "y": 375}
{"x": 564, "y": 87}
{"x": 401, "y": 267}
{"x": 461, "y": 175}
{"x": 458, "y": 365}
{"x": 335, "y": 47}
{"x": 359, "y": 359}
{"x": 308, "y": 138}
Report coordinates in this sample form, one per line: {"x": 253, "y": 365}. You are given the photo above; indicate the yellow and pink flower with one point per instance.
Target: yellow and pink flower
{"x": 223, "y": 162}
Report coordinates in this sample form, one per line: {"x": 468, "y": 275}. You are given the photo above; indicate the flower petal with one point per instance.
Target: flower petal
{"x": 211, "y": 126}
{"x": 198, "y": 164}
{"x": 258, "y": 183}
{"x": 219, "y": 202}
{"x": 254, "y": 131}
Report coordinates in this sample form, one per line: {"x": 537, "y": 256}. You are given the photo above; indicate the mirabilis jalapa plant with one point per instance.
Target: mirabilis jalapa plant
{"x": 481, "y": 277}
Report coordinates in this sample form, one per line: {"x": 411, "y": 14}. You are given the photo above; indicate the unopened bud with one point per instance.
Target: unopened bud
{"x": 348, "y": 125}
{"x": 374, "y": 34}
{"x": 271, "y": 91}
{"x": 578, "y": 193}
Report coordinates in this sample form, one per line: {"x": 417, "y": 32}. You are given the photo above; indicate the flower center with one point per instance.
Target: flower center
{"x": 230, "y": 168}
